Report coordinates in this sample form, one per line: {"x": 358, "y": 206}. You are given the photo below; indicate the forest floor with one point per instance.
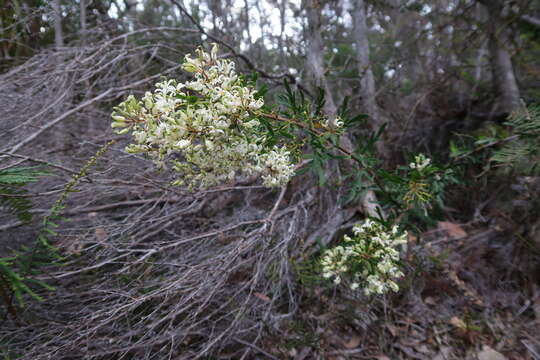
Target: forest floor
{"x": 471, "y": 295}
{"x": 471, "y": 292}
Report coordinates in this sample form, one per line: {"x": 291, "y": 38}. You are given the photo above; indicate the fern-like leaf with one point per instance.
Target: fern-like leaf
{"x": 12, "y": 193}
{"x": 523, "y": 153}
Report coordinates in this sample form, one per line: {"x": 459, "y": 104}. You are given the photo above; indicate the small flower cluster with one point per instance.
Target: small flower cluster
{"x": 422, "y": 177}
{"x": 420, "y": 162}
{"x": 369, "y": 259}
{"x": 336, "y": 124}
{"x": 206, "y": 128}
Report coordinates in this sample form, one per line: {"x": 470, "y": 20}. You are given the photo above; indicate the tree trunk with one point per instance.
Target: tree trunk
{"x": 315, "y": 55}
{"x": 247, "y": 24}
{"x": 367, "y": 80}
{"x": 57, "y": 13}
{"x": 282, "y": 12}
{"x": 315, "y": 66}
{"x": 501, "y": 60}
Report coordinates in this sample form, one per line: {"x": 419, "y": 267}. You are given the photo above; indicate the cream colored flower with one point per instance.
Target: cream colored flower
{"x": 210, "y": 121}
{"x": 369, "y": 258}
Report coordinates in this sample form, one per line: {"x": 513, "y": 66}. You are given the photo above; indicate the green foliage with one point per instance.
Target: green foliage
{"x": 515, "y": 148}
{"x": 12, "y": 192}
{"x": 16, "y": 282}
{"x": 308, "y": 271}
{"x": 15, "y": 270}
{"x": 405, "y": 194}
{"x": 18, "y": 272}
{"x": 521, "y": 152}
{"x": 321, "y": 139}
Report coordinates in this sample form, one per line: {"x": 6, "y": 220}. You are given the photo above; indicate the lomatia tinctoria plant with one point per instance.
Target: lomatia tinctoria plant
{"x": 217, "y": 128}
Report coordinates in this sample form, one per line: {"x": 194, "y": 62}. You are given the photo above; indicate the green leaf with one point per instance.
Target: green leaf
{"x": 356, "y": 119}
{"x": 263, "y": 90}
{"x": 319, "y": 101}
{"x": 49, "y": 231}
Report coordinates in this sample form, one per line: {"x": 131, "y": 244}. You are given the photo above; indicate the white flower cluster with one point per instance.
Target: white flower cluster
{"x": 206, "y": 128}
{"x": 420, "y": 162}
{"x": 336, "y": 124}
{"x": 369, "y": 259}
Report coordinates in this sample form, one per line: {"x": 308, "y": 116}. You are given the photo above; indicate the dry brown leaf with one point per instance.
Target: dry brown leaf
{"x": 467, "y": 290}
{"x": 262, "y": 296}
{"x": 454, "y": 230}
{"x": 101, "y": 234}
{"x": 353, "y": 342}
{"x": 430, "y": 300}
{"x": 71, "y": 245}
{"x": 488, "y": 353}
{"x": 411, "y": 239}
{"x": 457, "y": 322}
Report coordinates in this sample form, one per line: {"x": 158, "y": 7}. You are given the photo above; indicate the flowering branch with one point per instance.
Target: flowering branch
{"x": 215, "y": 127}
{"x": 206, "y": 128}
